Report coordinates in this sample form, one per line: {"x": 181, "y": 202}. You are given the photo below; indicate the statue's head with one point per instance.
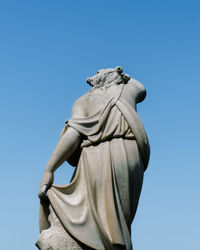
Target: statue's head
{"x": 107, "y": 77}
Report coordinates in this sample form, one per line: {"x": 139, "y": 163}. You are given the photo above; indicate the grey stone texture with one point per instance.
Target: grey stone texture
{"x": 107, "y": 143}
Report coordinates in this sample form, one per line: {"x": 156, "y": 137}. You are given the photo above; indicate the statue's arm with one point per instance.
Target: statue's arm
{"x": 66, "y": 146}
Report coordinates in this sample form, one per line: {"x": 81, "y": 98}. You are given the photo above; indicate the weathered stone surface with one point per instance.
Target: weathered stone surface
{"x": 106, "y": 142}
{"x": 56, "y": 237}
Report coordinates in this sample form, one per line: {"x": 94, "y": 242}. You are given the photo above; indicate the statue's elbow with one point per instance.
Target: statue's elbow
{"x": 142, "y": 95}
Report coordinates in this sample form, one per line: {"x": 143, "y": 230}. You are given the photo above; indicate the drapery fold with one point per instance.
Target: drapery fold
{"x": 98, "y": 206}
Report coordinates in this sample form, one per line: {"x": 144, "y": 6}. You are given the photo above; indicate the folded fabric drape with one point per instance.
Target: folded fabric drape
{"x": 99, "y": 204}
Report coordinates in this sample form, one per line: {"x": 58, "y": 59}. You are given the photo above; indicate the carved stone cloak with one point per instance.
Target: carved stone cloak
{"x": 99, "y": 204}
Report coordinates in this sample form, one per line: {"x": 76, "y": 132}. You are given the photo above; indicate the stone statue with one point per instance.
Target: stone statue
{"x": 106, "y": 142}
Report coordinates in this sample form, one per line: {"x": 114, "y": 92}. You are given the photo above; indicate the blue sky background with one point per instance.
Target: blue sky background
{"x": 47, "y": 49}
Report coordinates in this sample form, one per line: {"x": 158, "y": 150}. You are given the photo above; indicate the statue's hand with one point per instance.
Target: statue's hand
{"x": 43, "y": 192}
{"x": 46, "y": 182}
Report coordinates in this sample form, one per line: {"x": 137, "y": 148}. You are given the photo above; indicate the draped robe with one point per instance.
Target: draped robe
{"x": 99, "y": 204}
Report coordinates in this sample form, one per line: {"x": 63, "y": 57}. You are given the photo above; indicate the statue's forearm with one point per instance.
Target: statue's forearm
{"x": 65, "y": 147}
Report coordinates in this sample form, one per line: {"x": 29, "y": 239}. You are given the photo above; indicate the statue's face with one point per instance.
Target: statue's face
{"x": 104, "y": 75}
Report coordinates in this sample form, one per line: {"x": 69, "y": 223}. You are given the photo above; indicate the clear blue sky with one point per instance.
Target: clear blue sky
{"x": 47, "y": 49}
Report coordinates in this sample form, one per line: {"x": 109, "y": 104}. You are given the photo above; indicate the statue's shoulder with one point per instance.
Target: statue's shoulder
{"x": 78, "y": 109}
{"x": 133, "y": 83}
{"x": 136, "y": 89}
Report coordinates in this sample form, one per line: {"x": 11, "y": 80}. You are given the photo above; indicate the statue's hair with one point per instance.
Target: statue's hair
{"x": 106, "y": 79}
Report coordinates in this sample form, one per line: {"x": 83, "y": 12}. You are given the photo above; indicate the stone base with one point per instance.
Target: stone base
{"x": 57, "y": 238}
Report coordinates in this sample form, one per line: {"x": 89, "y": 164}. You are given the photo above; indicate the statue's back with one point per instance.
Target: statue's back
{"x": 97, "y": 208}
